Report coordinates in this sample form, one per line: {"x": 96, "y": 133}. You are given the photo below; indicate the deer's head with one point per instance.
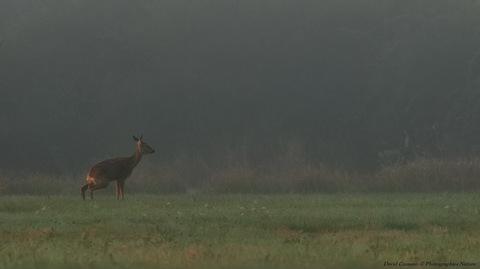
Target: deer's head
{"x": 142, "y": 146}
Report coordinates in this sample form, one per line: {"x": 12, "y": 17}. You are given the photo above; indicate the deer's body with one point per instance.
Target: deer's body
{"x": 117, "y": 169}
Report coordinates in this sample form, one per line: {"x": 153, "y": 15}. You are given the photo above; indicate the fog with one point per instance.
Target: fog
{"x": 346, "y": 80}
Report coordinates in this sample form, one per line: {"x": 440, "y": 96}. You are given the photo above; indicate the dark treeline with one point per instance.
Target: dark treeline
{"x": 352, "y": 83}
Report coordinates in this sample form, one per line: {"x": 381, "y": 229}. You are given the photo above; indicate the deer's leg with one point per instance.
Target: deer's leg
{"x": 84, "y": 188}
{"x": 117, "y": 188}
{"x": 92, "y": 187}
{"x": 121, "y": 183}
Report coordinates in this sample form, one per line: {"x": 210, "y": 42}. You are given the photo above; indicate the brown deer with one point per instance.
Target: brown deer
{"x": 118, "y": 169}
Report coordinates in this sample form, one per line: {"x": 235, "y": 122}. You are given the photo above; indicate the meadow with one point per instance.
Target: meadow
{"x": 241, "y": 231}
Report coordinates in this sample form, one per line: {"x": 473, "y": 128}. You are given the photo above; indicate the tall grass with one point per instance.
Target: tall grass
{"x": 243, "y": 168}
{"x": 419, "y": 175}
{"x": 430, "y": 175}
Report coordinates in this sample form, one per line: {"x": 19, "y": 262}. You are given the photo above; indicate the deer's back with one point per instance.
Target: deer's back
{"x": 118, "y": 168}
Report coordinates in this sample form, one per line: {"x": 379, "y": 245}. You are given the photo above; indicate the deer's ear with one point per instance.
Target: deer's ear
{"x": 135, "y": 138}
{"x": 141, "y": 137}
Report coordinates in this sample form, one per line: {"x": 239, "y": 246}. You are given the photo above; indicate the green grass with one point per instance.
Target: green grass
{"x": 238, "y": 231}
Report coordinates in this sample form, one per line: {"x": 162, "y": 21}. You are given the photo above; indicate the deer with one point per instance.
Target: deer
{"x": 116, "y": 169}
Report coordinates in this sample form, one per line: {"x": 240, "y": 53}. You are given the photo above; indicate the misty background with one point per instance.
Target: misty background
{"x": 349, "y": 84}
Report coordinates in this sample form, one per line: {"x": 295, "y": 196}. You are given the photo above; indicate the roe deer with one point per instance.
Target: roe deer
{"x": 117, "y": 169}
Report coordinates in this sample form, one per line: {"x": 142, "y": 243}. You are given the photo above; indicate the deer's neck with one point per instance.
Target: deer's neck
{"x": 135, "y": 158}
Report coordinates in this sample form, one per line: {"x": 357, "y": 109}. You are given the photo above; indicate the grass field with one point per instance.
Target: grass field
{"x": 240, "y": 231}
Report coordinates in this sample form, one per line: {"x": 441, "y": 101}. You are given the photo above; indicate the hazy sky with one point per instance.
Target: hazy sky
{"x": 78, "y": 78}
